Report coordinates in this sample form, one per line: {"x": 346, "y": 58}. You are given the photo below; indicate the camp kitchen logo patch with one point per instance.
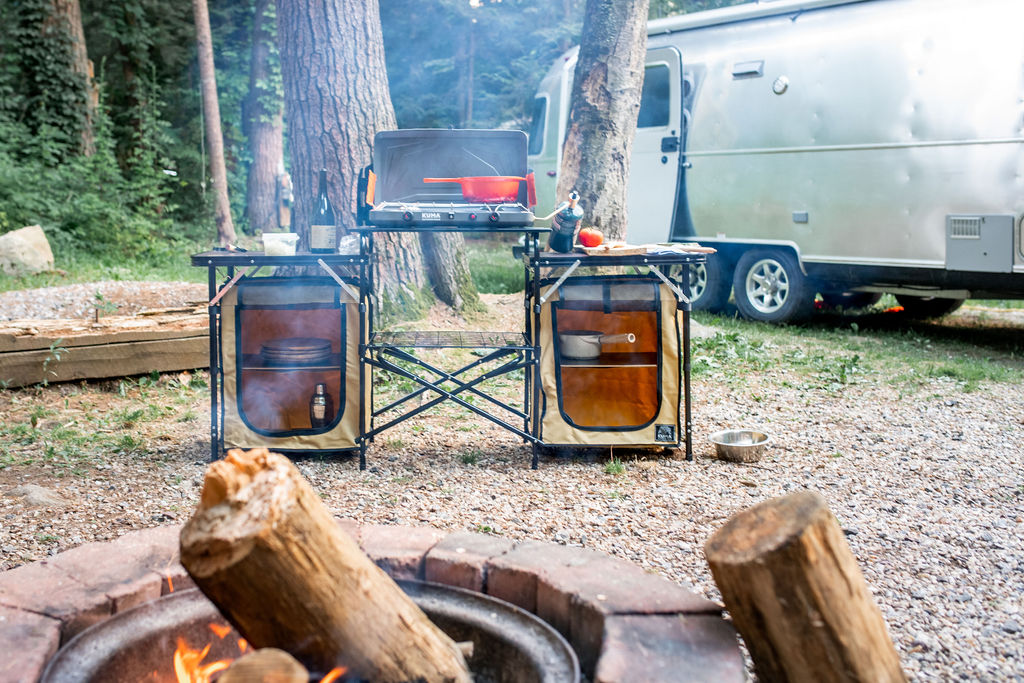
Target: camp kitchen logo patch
{"x": 430, "y": 216}
{"x": 665, "y": 433}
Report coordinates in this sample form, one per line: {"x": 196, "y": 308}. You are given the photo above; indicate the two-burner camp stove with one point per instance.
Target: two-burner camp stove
{"x": 395, "y": 195}
{"x": 465, "y": 214}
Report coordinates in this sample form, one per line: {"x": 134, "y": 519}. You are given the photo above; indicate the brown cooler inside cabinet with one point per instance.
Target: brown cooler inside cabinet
{"x": 627, "y": 395}
{"x": 280, "y": 339}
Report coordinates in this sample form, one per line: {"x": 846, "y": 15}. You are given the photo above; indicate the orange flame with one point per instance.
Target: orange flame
{"x": 188, "y": 666}
{"x": 220, "y": 630}
{"x": 334, "y": 674}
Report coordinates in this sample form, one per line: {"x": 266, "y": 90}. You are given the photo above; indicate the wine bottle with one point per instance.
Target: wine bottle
{"x": 323, "y": 230}
{"x": 321, "y": 407}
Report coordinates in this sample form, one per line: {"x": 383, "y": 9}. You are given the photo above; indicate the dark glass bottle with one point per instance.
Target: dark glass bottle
{"x": 564, "y": 225}
{"x": 323, "y": 229}
{"x": 321, "y": 407}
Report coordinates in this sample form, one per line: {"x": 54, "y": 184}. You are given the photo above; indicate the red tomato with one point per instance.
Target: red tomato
{"x": 591, "y": 237}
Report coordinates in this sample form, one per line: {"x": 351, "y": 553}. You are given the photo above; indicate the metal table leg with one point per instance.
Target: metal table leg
{"x": 213, "y": 311}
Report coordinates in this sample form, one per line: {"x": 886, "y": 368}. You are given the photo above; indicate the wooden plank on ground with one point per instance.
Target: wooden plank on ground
{"x": 24, "y": 368}
{"x": 116, "y": 346}
{"x": 28, "y": 335}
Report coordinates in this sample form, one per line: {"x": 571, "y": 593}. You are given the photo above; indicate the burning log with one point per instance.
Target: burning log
{"x": 264, "y": 548}
{"x": 268, "y": 664}
{"x": 797, "y": 596}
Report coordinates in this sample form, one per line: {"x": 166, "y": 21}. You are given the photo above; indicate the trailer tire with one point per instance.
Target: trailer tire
{"x": 770, "y": 287}
{"x": 710, "y": 284}
{"x": 927, "y": 306}
{"x": 850, "y": 300}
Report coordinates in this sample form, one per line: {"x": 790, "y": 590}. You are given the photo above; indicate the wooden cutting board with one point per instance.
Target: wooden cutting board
{"x": 614, "y": 249}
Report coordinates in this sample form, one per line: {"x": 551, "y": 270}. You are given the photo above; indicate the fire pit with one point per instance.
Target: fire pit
{"x": 608, "y": 609}
{"x": 509, "y": 644}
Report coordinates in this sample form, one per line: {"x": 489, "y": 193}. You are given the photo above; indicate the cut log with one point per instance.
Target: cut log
{"x": 268, "y": 665}
{"x": 264, "y": 548}
{"x": 797, "y": 596}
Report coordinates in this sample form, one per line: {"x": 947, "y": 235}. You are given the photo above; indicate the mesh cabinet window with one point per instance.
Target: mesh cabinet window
{"x": 284, "y": 342}
{"x": 621, "y": 392}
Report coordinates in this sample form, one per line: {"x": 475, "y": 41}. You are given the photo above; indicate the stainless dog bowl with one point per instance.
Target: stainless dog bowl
{"x": 739, "y": 445}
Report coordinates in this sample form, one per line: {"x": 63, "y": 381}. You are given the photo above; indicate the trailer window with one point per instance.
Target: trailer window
{"x": 654, "y": 99}
{"x": 540, "y": 109}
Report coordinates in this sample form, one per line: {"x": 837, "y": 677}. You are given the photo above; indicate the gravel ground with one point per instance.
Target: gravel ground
{"x": 928, "y": 486}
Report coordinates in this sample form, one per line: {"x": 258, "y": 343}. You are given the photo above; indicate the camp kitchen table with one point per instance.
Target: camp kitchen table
{"x": 394, "y": 351}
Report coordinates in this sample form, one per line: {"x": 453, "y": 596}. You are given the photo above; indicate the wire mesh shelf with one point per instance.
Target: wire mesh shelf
{"x": 450, "y": 339}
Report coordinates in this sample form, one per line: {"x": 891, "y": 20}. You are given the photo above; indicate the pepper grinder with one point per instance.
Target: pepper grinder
{"x": 564, "y": 224}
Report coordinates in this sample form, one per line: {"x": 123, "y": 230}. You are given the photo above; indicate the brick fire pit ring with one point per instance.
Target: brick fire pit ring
{"x": 624, "y": 623}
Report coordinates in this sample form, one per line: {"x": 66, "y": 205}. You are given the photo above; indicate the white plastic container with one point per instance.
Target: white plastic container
{"x": 280, "y": 243}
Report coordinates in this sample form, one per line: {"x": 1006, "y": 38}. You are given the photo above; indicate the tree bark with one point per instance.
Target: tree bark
{"x": 448, "y": 271}
{"x": 211, "y": 112}
{"x": 264, "y": 112}
{"x": 336, "y": 100}
{"x": 69, "y": 13}
{"x": 264, "y": 548}
{"x": 797, "y": 596}
{"x": 605, "y": 103}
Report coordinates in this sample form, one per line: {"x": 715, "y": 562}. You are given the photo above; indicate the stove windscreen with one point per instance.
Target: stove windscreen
{"x": 403, "y": 158}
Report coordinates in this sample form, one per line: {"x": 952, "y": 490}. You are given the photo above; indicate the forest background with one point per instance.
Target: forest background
{"x": 138, "y": 191}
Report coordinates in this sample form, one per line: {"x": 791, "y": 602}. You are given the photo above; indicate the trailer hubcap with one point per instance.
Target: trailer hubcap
{"x": 698, "y": 281}
{"x": 767, "y": 285}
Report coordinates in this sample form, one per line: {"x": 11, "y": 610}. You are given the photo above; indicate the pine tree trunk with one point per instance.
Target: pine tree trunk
{"x": 605, "y": 103}
{"x": 70, "y": 13}
{"x": 211, "y": 112}
{"x": 448, "y": 270}
{"x": 336, "y": 100}
{"x": 264, "y": 124}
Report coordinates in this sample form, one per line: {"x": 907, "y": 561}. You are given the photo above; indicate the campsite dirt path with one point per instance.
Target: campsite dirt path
{"x": 928, "y": 483}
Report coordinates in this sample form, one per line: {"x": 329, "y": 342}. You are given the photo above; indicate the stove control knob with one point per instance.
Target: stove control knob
{"x": 407, "y": 216}
{"x": 471, "y": 216}
{"x": 493, "y": 217}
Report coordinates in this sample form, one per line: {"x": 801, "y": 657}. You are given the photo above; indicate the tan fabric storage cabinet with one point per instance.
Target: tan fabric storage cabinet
{"x": 630, "y": 394}
{"x": 280, "y": 337}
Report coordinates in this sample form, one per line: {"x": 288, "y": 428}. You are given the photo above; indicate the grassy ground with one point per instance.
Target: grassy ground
{"x": 74, "y": 268}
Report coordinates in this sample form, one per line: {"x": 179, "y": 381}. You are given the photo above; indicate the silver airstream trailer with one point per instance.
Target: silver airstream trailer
{"x": 846, "y": 148}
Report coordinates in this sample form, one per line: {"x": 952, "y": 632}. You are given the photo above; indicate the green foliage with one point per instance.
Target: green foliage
{"x": 49, "y": 97}
{"x": 668, "y": 8}
{"x": 507, "y": 45}
{"x": 730, "y": 348}
{"x": 971, "y": 372}
{"x": 53, "y": 356}
{"x": 614, "y": 467}
{"x": 493, "y": 268}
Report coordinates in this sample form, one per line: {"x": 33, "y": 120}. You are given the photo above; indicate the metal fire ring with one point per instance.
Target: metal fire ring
{"x": 509, "y": 644}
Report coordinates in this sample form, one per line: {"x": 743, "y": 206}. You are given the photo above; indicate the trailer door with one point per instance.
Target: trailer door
{"x": 654, "y": 166}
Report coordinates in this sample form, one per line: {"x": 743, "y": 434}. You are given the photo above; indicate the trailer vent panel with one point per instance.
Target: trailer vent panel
{"x": 965, "y": 228}
{"x": 981, "y": 243}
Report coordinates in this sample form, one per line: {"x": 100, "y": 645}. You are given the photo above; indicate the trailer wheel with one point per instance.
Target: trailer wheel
{"x": 710, "y": 285}
{"x": 770, "y": 287}
{"x": 850, "y": 300}
{"x": 927, "y": 306}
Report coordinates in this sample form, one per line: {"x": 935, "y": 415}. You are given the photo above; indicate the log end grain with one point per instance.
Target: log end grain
{"x": 766, "y": 527}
